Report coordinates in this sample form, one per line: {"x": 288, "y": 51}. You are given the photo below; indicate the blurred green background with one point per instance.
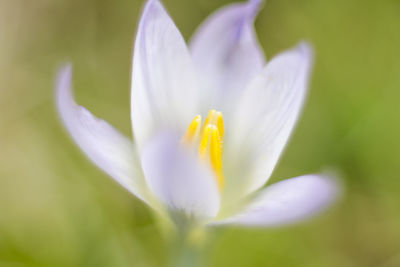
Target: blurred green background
{"x": 57, "y": 209}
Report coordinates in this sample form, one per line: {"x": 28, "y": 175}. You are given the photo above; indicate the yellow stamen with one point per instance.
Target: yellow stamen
{"x": 210, "y": 117}
{"x": 205, "y": 139}
{"x": 220, "y": 124}
{"x": 216, "y": 155}
{"x": 211, "y": 141}
{"x": 193, "y": 130}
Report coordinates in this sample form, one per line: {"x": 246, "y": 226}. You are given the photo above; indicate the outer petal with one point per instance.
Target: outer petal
{"x": 226, "y": 51}
{"x": 287, "y": 202}
{"x": 176, "y": 176}
{"x": 163, "y": 81}
{"x": 104, "y": 145}
{"x": 267, "y": 113}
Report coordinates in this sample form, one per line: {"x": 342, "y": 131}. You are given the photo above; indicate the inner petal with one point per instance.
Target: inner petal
{"x": 208, "y": 140}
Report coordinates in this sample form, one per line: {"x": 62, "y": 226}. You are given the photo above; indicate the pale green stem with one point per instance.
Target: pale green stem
{"x": 187, "y": 248}
{"x": 186, "y": 240}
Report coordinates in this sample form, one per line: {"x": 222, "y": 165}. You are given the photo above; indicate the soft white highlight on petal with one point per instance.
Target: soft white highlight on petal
{"x": 227, "y": 53}
{"x": 104, "y": 145}
{"x": 288, "y": 201}
{"x": 177, "y": 177}
{"x": 164, "y": 91}
{"x": 266, "y": 115}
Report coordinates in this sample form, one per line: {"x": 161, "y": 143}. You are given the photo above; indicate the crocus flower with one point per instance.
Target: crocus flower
{"x": 210, "y": 121}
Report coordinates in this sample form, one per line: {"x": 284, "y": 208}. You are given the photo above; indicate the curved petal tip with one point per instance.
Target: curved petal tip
{"x": 289, "y": 201}
{"x": 103, "y": 144}
{"x": 251, "y": 9}
{"x": 306, "y": 50}
{"x": 63, "y": 84}
{"x": 64, "y": 75}
{"x": 255, "y": 6}
{"x": 149, "y": 2}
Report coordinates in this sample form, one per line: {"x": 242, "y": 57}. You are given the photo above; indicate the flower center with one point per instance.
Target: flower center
{"x": 209, "y": 140}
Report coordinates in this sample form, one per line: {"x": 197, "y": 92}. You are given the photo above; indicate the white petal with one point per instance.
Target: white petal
{"x": 163, "y": 81}
{"x": 227, "y": 53}
{"x": 104, "y": 145}
{"x": 266, "y": 115}
{"x": 288, "y": 201}
{"x": 177, "y": 177}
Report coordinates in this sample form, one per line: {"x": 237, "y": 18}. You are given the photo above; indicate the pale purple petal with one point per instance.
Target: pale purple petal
{"x": 287, "y": 202}
{"x": 164, "y": 91}
{"x": 266, "y": 116}
{"x": 227, "y": 53}
{"x": 104, "y": 145}
{"x": 179, "y": 179}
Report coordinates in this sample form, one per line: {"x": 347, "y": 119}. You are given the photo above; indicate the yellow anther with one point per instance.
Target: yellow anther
{"x": 220, "y": 124}
{"x": 205, "y": 140}
{"x": 209, "y": 119}
{"x": 216, "y": 155}
{"x": 193, "y": 130}
{"x": 211, "y": 141}
{"x": 215, "y": 118}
